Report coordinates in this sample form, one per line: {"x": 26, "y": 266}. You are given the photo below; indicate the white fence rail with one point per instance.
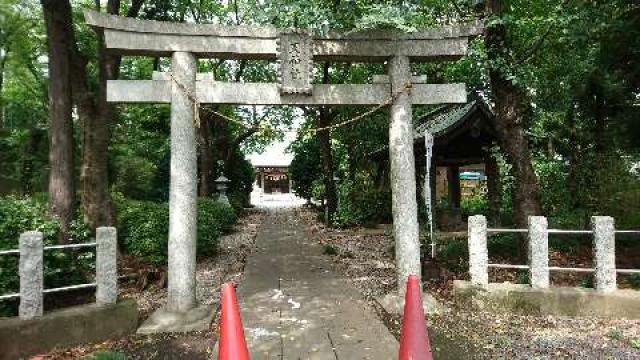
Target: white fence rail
{"x": 31, "y": 274}
{"x": 602, "y": 229}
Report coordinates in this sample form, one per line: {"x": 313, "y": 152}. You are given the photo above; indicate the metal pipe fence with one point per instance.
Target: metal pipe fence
{"x": 31, "y": 273}
{"x": 603, "y": 234}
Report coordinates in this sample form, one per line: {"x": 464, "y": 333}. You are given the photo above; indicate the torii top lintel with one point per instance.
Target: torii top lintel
{"x": 128, "y": 36}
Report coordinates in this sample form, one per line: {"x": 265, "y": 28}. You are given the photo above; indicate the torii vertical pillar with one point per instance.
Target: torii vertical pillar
{"x": 182, "y": 312}
{"x": 182, "y": 186}
{"x": 403, "y": 174}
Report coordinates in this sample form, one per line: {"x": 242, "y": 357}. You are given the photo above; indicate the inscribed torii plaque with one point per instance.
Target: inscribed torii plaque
{"x": 296, "y": 62}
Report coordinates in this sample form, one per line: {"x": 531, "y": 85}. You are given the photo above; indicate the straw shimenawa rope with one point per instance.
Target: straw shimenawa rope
{"x": 196, "y": 104}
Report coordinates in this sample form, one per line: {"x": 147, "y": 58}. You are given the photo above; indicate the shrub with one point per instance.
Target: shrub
{"x": 454, "y": 256}
{"x": 362, "y": 203}
{"x": 503, "y": 245}
{"x": 329, "y": 250}
{"x": 144, "y": 225}
{"x": 476, "y": 204}
{"x": 238, "y": 200}
{"x": 214, "y": 219}
{"x": 522, "y": 277}
{"x": 20, "y": 214}
{"x": 634, "y": 281}
{"x": 374, "y": 205}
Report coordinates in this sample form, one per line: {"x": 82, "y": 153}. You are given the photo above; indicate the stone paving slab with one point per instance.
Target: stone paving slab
{"x": 295, "y": 307}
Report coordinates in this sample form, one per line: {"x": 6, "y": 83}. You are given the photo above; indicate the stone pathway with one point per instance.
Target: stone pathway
{"x": 295, "y": 307}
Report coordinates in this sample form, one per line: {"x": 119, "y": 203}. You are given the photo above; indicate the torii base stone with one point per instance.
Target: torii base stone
{"x": 162, "y": 321}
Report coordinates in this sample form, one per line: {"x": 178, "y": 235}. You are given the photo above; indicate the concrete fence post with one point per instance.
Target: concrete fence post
{"x": 538, "y": 252}
{"x": 478, "y": 256}
{"x": 604, "y": 253}
{"x": 106, "y": 265}
{"x": 31, "y": 275}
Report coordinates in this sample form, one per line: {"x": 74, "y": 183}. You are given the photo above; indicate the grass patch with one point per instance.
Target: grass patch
{"x": 329, "y": 250}
{"x": 108, "y": 355}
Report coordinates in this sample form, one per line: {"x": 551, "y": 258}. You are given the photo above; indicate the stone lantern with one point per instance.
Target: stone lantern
{"x": 222, "y": 184}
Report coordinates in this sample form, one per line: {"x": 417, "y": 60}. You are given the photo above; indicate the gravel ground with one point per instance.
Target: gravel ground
{"x": 366, "y": 256}
{"x": 211, "y": 274}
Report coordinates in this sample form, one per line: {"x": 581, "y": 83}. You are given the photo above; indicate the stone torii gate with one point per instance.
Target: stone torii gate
{"x": 295, "y": 52}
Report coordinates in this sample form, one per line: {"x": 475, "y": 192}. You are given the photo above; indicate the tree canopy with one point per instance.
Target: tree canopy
{"x": 567, "y": 67}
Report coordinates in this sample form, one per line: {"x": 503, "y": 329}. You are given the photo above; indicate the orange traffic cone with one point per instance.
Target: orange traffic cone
{"x": 232, "y": 345}
{"x": 414, "y": 339}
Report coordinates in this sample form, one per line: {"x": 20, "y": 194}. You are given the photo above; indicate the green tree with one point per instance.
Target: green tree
{"x": 305, "y": 167}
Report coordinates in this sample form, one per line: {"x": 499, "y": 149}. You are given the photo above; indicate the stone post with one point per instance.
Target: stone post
{"x": 106, "y": 265}
{"x": 31, "y": 275}
{"x": 478, "y": 253}
{"x": 604, "y": 253}
{"x": 403, "y": 174}
{"x": 538, "y": 252}
{"x": 183, "y": 186}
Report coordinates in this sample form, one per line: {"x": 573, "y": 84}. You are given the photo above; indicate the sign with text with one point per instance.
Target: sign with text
{"x": 296, "y": 63}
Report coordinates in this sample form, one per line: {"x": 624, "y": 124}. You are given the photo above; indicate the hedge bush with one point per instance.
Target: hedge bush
{"x": 362, "y": 204}
{"x": 144, "y": 225}
{"x": 214, "y": 220}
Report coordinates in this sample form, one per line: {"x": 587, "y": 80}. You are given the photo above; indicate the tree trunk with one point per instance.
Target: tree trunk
{"x": 207, "y": 159}
{"x": 94, "y": 175}
{"x": 494, "y": 188}
{"x": 324, "y": 139}
{"x": 57, "y": 16}
{"x": 509, "y": 113}
{"x": 30, "y": 150}
{"x": 600, "y": 133}
{"x": 511, "y": 106}
{"x": 575, "y": 159}
{"x": 325, "y": 117}
{"x": 96, "y": 116}
{"x": 453, "y": 186}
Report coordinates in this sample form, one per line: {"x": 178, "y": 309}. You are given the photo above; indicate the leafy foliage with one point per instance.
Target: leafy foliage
{"x": 144, "y": 226}
{"x": 139, "y": 153}
{"x": 241, "y": 173}
{"x": 305, "y": 167}
{"x": 363, "y": 204}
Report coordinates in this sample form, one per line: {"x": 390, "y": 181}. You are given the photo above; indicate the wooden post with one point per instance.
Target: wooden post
{"x": 453, "y": 182}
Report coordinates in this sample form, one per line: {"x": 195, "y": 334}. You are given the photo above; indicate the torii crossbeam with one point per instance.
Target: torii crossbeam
{"x": 295, "y": 51}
